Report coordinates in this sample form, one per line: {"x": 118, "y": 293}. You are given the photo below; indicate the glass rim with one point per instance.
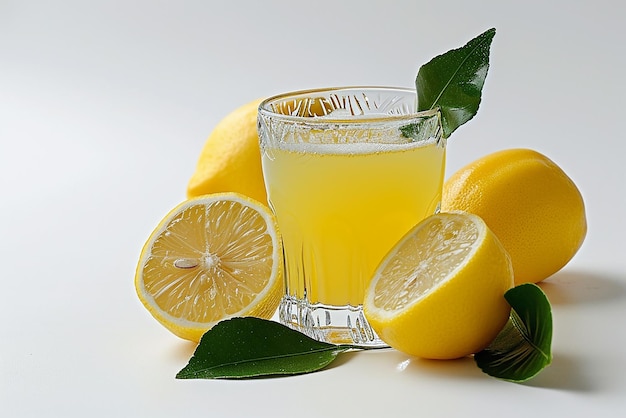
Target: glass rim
{"x": 265, "y": 110}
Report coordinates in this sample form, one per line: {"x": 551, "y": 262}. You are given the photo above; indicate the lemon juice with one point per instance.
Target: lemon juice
{"x": 340, "y": 208}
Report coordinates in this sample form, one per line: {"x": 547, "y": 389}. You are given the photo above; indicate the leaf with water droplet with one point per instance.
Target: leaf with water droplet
{"x": 249, "y": 347}
{"x": 523, "y": 347}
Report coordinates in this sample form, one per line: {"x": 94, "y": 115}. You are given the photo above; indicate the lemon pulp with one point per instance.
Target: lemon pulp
{"x": 211, "y": 258}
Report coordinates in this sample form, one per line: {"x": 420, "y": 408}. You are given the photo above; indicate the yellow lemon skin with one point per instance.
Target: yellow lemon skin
{"x": 529, "y": 202}
{"x": 230, "y": 160}
{"x": 458, "y": 317}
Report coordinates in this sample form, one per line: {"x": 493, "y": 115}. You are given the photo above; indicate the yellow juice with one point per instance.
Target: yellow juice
{"x": 341, "y": 207}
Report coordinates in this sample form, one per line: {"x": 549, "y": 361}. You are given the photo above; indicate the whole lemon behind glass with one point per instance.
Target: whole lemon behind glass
{"x": 230, "y": 160}
{"x": 532, "y": 206}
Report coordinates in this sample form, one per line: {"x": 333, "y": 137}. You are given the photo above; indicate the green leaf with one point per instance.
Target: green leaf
{"x": 453, "y": 82}
{"x": 523, "y": 347}
{"x": 424, "y": 128}
{"x": 250, "y": 347}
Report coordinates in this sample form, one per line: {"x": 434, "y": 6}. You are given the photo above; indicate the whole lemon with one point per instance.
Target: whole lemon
{"x": 528, "y": 201}
{"x": 230, "y": 160}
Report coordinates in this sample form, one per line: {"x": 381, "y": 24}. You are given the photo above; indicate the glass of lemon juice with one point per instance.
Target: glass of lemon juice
{"x": 348, "y": 172}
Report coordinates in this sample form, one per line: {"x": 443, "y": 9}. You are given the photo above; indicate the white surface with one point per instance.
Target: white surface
{"x": 105, "y": 105}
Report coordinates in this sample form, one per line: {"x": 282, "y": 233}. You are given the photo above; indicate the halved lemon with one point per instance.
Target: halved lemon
{"x": 212, "y": 257}
{"x": 439, "y": 293}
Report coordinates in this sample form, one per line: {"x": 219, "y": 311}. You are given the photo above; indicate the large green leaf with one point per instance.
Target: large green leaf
{"x": 453, "y": 82}
{"x": 523, "y": 347}
{"x": 251, "y": 347}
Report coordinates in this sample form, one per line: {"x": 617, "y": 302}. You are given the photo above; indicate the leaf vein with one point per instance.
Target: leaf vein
{"x": 445, "y": 87}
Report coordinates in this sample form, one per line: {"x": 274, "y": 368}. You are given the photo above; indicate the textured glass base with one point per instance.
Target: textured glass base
{"x": 332, "y": 324}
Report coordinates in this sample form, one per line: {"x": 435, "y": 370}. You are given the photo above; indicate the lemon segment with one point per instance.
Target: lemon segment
{"x": 529, "y": 202}
{"x": 211, "y": 258}
{"x": 439, "y": 293}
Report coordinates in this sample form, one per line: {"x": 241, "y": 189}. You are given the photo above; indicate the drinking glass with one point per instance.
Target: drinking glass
{"x": 348, "y": 171}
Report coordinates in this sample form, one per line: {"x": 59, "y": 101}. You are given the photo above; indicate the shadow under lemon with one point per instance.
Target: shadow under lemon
{"x": 570, "y": 287}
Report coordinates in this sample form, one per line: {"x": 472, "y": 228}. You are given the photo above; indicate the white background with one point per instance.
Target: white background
{"x": 105, "y": 105}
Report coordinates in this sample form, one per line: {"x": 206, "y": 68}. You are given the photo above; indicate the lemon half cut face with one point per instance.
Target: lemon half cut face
{"x": 211, "y": 258}
{"x": 439, "y": 293}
